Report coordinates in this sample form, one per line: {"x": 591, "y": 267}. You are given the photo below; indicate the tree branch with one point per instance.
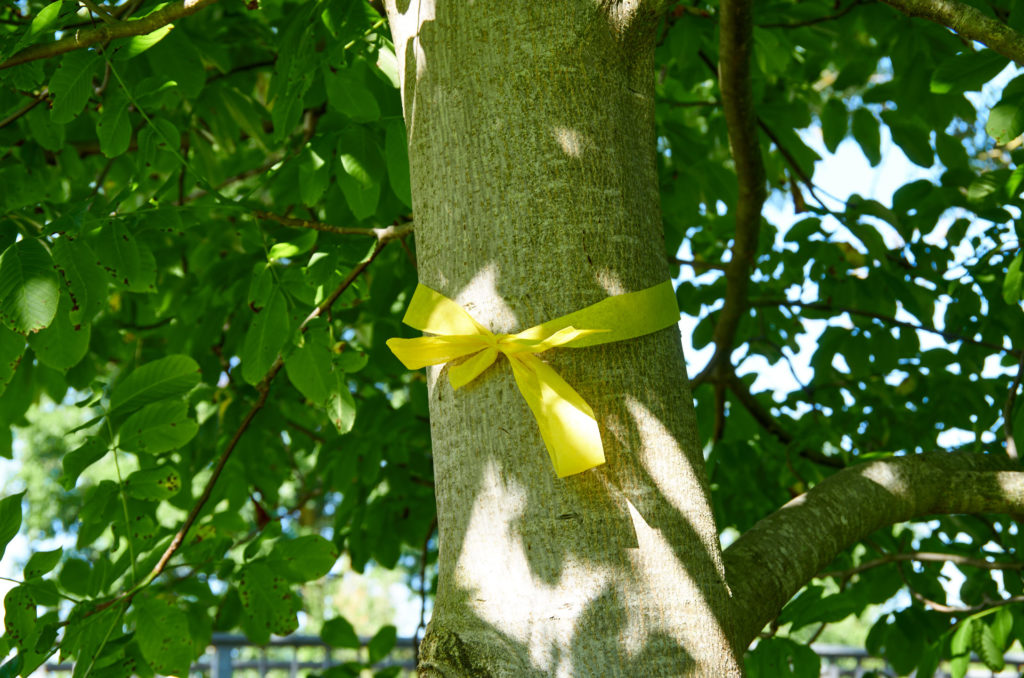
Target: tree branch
{"x": 1011, "y": 397}
{"x": 924, "y": 557}
{"x": 763, "y": 417}
{"x": 736, "y": 40}
{"x": 103, "y": 14}
{"x": 36, "y": 100}
{"x": 967, "y": 22}
{"x": 819, "y": 19}
{"x": 775, "y": 558}
{"x": 83, "y": 38}
{"x": 697, "y": 265}
{"x": 292, "y": 222}
{"x": 386, "y": 236}
{"x": 888, "y": 320}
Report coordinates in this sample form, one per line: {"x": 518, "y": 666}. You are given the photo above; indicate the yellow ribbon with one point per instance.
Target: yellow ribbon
{"x": 566, "y": 422}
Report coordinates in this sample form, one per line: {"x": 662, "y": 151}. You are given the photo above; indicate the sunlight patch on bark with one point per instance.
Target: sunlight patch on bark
{"x": 890, "y": 476}
{"x": 572, "y": 141}
{"x": 611, "y": 282}
{"x": 667, "y": 580}
{"x": 480, "y": 297}
{"x": 664, "y": 459}
{"x": 541, "y": 616}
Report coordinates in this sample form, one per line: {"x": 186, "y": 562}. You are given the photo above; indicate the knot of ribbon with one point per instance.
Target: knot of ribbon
{"x": 567, "y": 423}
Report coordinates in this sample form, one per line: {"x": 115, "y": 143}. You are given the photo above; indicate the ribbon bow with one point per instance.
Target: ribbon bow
{"x": 566, "y": 421}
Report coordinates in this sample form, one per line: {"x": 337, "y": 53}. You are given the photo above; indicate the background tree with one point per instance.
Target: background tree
{"x": 205, "y": 240}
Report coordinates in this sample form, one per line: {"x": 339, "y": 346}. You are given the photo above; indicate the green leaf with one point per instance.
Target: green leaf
{"x": 303, "y": 559}
{"x": 29, "y": 288}
{"x": 80, "y": 459}
{"x": 1013, "y": 283}
{"x": 960, "y": 648}
{"x": 1002, "y": 627}
{"x": 89, "y": 638}
{"x": 397, "y": 155}
{"x": 292, "y": 248}
{"x": 266, "y": 336}
{"x": 114, "y": 126}
{"x": 246, "y": 113}
{"x": 10, "y": 519}
{"x": 310, "y": 371}
{"x": 929, "y": 662}
{"x": 162, "y": 632}
{"x": 49, "y": 134}
{"x": 338, "y": 632}
{"x": 983, "y": 642}
{"x": 967, "y": 72}
{"x": 45, "y": 19}
{"x": 364, "y": 166}
{"x": 351, "y": 360}
{"x": 347, "y": 93}
{"x": 314, "y": 175}
{"x": 12, "y": 667}
{"x": 382, "y": 643}
{"x": 153, "y": 484}
{"x": 158, "y": 427}
{"x": 63, "y": 344}
{"x": 130, "y": 264}
{"x": 1005, "y": 122}
{"x": 42, "y": 562}
{"x": 83, "y": 277}
{"x": 835, "y": 121}
{"x": 12, "y": 348}
{"x": 137, "y": 44}
{"x": 20, "y": 618}
{"x": 912, "y": 136}
{"x": 341, "y": 407}
{"x": 177, "y": 59}
{"x": 169, "y": 377}
{"x": 268, "y": 604}
{"x": 71, "y": 84}
{"x": 865, "y": 131}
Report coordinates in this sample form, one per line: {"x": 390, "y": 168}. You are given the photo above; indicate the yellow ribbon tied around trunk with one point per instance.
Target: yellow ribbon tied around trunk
{"x": 566, "y": 421}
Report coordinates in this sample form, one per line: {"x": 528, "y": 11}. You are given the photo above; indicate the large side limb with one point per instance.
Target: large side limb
{"x": 782, "y": 552}
{"x": 968, "y": 22}
{"x": 87, "y": 37}
{"x": 737, "y": 42}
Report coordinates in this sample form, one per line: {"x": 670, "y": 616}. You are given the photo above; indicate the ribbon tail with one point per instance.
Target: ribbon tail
{"x": 423, "y": 351}
{"x": 566, "y": 422}
{"x": 462, "y": 374}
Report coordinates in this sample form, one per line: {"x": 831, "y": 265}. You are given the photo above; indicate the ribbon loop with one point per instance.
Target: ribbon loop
{"x": 566, "y": 422}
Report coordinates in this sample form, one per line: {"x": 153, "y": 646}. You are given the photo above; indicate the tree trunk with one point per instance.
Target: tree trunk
{"x": 532, "y": 150}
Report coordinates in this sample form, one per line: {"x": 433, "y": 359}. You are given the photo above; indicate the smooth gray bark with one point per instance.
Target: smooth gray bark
{"x": 531, "y": 139}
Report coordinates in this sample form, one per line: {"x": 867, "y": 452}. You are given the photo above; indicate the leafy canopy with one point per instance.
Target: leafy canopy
{"x": 189, "y": 270}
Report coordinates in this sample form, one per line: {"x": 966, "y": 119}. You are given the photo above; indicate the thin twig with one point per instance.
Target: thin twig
{"x": 241, "y": 176}
{"x": 697, "y": 265}
{"x": 769, "y": 423}
{"x": 103, "y": 14}
{"x": 293, "y": 222}
{"x": 923, "y": 557}
{"x": 264, "y": 390}
{"x": 819, "y": 19}
{"x": 1011, "y": 397}
{"x": 38, "y": 99}
{"x": 889, "y": 320}
{"x": 80, "y": 39}
{"x": 386, "y": 236}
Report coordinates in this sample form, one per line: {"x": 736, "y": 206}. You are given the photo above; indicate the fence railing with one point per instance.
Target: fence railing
{"x": 233, "y": 656}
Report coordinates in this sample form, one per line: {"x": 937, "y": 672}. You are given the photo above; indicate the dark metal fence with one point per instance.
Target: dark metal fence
{"x": 232, "y": 656}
